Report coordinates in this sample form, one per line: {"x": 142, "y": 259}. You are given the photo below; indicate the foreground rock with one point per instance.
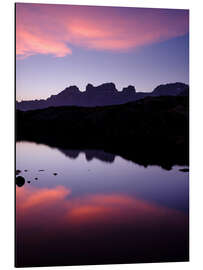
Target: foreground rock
{"x": 20, "y": 181}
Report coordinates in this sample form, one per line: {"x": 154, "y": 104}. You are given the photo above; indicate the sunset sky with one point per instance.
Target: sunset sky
{"x": 62, "y": 45}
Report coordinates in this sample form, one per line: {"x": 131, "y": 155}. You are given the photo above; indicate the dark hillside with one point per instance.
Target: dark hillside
{"x": 154, "y": 129}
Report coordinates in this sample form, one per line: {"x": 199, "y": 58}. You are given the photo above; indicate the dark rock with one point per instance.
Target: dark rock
{"x": 130, "y": 90}
{"x": 18, "y": 172}
{"x": 55, "y": 173}
{"x": 25, "y": 170}
{"x": 36, "y": 178}
{"x": 89, "y": 88}
{"x": 107, "y": 87}
{"x": 128, "y": 93}
{"x": 28, "y": 182}
{"x": 20, "y": 181}
{"x": 170, "y": 89}
{"x": 41, "y": 170}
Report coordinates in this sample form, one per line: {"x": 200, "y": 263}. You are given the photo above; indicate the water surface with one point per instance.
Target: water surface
{"x": 99, "y": 208}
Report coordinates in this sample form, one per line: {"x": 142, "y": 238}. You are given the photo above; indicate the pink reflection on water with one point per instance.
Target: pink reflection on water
{"x": 56, "y": 205}
{"x": 55, "y": 228}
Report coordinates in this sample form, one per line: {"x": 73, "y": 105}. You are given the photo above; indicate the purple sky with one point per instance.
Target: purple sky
{"x": 62, "y": 45}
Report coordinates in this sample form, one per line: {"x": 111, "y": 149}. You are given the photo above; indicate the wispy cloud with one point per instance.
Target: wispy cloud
{"x": 54, "y": 29}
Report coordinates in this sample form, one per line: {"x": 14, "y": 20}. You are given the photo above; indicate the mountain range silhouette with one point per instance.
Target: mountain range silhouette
{"x": 102, "y": 95}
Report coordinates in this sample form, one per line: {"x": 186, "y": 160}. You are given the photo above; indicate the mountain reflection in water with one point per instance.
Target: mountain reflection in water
{"x": 98, "y": 209}
{"x": 89, "y": 154}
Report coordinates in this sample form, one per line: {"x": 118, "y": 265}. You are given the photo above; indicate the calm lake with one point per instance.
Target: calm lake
{"x": 91, "y": 207}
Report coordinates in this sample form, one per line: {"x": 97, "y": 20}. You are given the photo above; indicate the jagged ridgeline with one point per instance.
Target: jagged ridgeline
{"x": 102, "y": 95}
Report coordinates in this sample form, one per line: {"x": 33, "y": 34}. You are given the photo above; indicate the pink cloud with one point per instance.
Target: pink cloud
{"x": 53, "y": 29}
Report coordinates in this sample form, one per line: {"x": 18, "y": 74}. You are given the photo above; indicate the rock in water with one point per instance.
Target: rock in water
{"x": 20, "y": 181}
{"x": 18, "y": 172}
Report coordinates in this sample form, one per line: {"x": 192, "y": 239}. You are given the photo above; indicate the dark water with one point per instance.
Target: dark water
{"x": 98, "y": 209}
